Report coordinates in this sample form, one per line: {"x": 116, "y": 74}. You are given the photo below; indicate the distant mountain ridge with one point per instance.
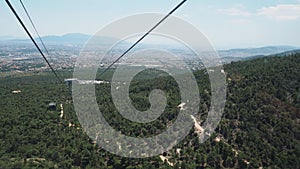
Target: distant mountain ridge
{"x": 71, "y": 38}
{"x": 80, "y": 39}
{"x": 67, "y": 38}
{"x": 246, "y": 52}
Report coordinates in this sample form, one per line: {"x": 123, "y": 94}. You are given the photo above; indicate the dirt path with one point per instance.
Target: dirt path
{"x": 61, "y": 111}
{"x": 198, "y": 128}
{"x": 165, "y": 159}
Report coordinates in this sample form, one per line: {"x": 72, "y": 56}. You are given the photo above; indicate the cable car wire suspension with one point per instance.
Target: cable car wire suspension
{"x": 32, "y": 39}
{"x": 34, "y": 27}
{"x": 147, "y": 33}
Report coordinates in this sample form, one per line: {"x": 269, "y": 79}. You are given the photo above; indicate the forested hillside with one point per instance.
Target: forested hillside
{"x": 259, "y": 129}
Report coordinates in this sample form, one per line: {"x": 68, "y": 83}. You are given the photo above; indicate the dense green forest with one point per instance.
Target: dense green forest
{"x": 259, "y": 129}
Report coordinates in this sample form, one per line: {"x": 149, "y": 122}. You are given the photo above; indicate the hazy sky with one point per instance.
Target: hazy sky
{"x": 226, "y": 23}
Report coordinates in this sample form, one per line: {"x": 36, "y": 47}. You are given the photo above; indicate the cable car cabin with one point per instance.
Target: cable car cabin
{"x": 52, "y": 106}
{"x": 70, "y": 81}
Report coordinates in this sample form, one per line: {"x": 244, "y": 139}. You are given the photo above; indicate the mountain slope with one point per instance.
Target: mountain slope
{"x": 259, "y": 129}
{"x": 246, "y": 52}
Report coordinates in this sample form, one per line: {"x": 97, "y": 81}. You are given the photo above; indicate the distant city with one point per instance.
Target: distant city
{"x": 20, "y": 54}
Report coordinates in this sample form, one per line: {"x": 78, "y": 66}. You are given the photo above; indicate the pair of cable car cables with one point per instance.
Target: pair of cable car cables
{"x": 41, "y": 52}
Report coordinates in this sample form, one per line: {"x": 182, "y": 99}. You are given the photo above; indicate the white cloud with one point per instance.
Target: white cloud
{"x": 282, "y": 12}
